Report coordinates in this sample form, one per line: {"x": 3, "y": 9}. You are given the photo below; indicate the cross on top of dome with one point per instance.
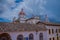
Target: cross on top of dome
{"x": 22, "y": 12}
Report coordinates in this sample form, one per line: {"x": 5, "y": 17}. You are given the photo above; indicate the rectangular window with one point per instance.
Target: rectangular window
{"x": 57, "y": 38}
{"x": 59, "y": 30}
{"x": 56, "y": 31}
{"x": 49, "y": 31}
{"x": 53, "y": 38}
{"x": 49, "y": 38}
{"x": 52, "y": 31}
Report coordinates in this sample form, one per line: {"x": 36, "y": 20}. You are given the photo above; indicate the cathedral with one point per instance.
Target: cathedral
{"x": 29, "y": 29}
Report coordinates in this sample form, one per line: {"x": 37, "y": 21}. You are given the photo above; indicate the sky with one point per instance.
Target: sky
{"x": 11, "y": 8}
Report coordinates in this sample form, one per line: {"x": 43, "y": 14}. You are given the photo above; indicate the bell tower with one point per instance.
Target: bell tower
{"x": 22, "y": 16}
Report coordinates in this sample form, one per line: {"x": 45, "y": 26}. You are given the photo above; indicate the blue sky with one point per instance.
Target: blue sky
{"x": 35, "y": 7}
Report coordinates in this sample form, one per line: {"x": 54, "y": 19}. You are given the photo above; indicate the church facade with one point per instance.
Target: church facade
{"x": 29, "y": 29}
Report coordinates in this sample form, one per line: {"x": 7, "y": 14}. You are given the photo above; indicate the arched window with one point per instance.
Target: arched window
{"x": 20, "y": 37}
{"x": 31, "y": 37}
{"x": 41, "y": 36}
{"x": 5, "y": 36}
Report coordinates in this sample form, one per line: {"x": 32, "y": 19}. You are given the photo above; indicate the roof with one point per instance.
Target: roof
{"x": 33, "y": 18}
{"x": 49, "y": 23}
{"x": 18, "y": 27}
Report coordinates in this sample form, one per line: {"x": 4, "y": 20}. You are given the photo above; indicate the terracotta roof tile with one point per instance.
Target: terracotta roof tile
{"x": 49, "y": 23}
{"x": 11, "y": 27}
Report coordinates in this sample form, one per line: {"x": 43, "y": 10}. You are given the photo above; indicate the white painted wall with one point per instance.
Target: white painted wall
{"x": 52, "y": 35}
{"x": 26, "y": 34}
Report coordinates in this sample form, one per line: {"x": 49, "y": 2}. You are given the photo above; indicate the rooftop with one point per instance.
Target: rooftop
{"x": 18, "y": 27}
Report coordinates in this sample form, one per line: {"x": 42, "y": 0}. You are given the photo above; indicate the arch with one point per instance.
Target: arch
{"x": 5, "y": 36}
{"x": 20, "y": 37}
{"x": 31, "y": 37}
{"x": 41, "y": 36}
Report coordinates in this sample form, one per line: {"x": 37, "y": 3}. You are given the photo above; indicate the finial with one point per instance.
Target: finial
{"x": 46, "y": 18}
{"x": 22, "y": 12}
{"x": 22, "y": 9}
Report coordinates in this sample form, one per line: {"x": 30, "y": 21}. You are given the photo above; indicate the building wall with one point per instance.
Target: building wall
{"x": 51, "y": 35}
{"x": 26, "y": 34}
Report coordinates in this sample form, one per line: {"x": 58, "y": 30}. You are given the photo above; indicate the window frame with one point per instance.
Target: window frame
{"x": 19, "y": 37}
{"x": 31, "y": 37}
{"x": 41, "y": 36}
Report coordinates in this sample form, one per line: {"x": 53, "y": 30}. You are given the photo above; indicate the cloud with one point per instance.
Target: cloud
{"x": 36, "y": 7}
{"x": 4, "y": 20}
{"x": 30, "y": 7}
